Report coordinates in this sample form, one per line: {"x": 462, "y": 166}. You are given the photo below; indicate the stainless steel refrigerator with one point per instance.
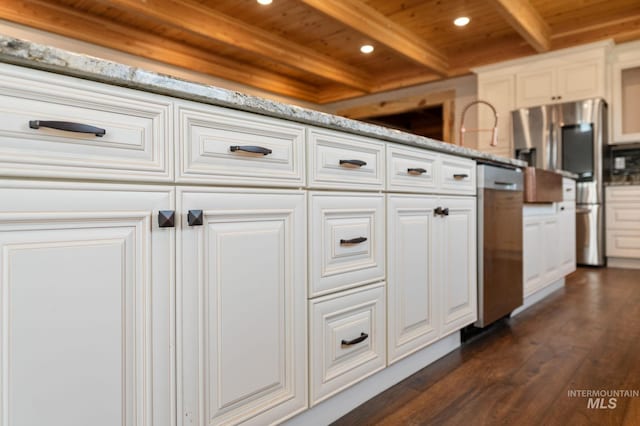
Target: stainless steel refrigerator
{"x": 570, "y": 136}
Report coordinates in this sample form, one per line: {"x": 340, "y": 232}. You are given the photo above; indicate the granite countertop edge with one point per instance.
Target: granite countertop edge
{"x": 33, "y": 55}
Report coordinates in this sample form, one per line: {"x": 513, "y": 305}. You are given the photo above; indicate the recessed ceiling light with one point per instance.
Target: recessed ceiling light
{"x": 367, "y": 48}
{"x": 265, "y": 2}
{"x": 461, "y": 21}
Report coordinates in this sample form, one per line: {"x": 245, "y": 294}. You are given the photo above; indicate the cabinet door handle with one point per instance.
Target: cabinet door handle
{"x": 68, "y": 126}
{"x": 437, "y": 211}
{"x": 354, "y": 240}
{"x": 195, "y": 217}
{"x": 416, "y": 170}
{"x": 358, "y": 163}
{"x": 362, "y": 338}
{"x": 166, "y": 219}
{"x": 569, "y": 189}
{"x": 251, "y": 148}
{"x": 459, "y": 176}
{"x": 445, "y": 211}
{"x": 562, "y": 208}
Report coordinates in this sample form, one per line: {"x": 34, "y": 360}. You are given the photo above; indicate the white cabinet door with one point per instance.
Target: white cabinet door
{"x": 86, "y": 305}
{"x": 567, "y": 224}
{"x": 552, "y": 249}
{"x": 580, "y": 80}
{"x": 457, "y": 245}
{"x": 533, "y": 261}
{"x": 241, "y": 307}
{"x": 412, "y": 318}
{"x": 536, "y": 87}
{"x": 500, "y": 92}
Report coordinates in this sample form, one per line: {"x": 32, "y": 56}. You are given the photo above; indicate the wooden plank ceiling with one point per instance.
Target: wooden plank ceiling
{"x": 309, "y": 49}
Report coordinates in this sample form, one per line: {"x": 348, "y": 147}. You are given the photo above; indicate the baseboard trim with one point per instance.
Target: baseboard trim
{"x": 534, "y": 298}
{"x": 621, "y": 262}
{"x": 332, "y": 409}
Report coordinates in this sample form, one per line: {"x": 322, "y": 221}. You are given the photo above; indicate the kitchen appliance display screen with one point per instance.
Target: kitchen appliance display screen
{"x": 577, "y": 150}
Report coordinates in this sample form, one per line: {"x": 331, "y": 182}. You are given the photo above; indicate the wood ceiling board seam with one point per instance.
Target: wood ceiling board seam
{"x": 206, "y": 22}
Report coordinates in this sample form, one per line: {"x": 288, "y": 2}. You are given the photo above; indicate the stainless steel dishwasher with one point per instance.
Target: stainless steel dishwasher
{"x": 500, "y": 199}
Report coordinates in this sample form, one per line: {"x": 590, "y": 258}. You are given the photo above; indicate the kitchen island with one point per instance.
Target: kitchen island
{"x": 215, "y": 258}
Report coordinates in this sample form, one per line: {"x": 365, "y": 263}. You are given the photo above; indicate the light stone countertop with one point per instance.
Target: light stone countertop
{"x": 33, "y": 55}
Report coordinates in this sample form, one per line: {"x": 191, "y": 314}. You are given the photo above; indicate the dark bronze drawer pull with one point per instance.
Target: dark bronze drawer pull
{"x": 445, "y": 211}
{"x": 251, "y": 148}
{"x": 416, "y": 170}
{"x": 358, "y": 163}
{"x": 68, "y": 126}
{"x": 354, "y": 240}
{"x": 460, "y": 176}
{"x": 166, "y": 218}
{"x": 362, "y": 338}
{"x": 195, "y": 217}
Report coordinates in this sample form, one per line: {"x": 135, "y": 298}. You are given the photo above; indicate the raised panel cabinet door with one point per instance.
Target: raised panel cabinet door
{"x": 242, "y": 319}
{"x": 500, "y": 92}
{"x": 552, "y": 250}
{"x": 536, "y": 87}
{"x": 412, "y": 300}
{"x": 568, "y": 239}
{"x": 86, "y": 306}
{"x": 581, "y": 80}
{"x": 457, "y": 249}
{"x": 532, "y": 254}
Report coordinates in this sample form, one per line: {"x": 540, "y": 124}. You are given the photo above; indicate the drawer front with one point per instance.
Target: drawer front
{"x": 346, "y": 241}
{"x": 338, "y": 160}
{"x": 347, "y": 340}
{"x": 411, "y": 170}
{"x": 623, "y": 243}
{"x": 623, "y": 215}
{"x": 622, "y": 193}
{"x": 134, "y": 146}
{"x": 214, "y": 142}
{"x": 458, "y": 175}
{"x": 568, "y": 189}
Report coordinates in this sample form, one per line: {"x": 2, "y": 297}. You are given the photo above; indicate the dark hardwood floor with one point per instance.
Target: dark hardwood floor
{"x": 586, "y": 336}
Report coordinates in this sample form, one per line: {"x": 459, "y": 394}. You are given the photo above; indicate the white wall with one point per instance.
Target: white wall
{"x": 466, "y": 89}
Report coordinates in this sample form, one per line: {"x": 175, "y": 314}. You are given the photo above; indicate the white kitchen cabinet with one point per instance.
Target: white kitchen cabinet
{"x": 560, "y": 80}
{"x": 457, "y": 246}
{"x": 551, "y": 254}
{"x": 347, "y": 342}
{"x": 626, "y": 93}
{"x": 533, "y": 249}
{"x": 432, "y": 270}
{"x": 500, "y": 92}
{"x": 413, "y": 318}
{"x": 567, "y": 233}
{"x": 623, "y": 221}
{"x": 241, "y": 306}
{"x": 87, "y": 305}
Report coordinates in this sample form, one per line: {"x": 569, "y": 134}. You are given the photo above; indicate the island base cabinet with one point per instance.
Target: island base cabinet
{"x": 86, "y": 305}
{"x": 432, "y": 285}
{"x": 241, "y": 306}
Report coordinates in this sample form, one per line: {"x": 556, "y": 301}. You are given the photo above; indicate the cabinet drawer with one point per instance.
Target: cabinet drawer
{"x": 338, "y": 160}
{"x": 458, "y": 175}
{"x": 413, "y": 170}
{"x": 623, "y": 243}
{"x": 623, "y": 215}
{"x": 347, "y": 341}
{"x": 136, "y": 125}
{"x": 346, "y": 241}
{"x": 568, "y": 189}
{"x": 622, "y": 194}
{"x": 216, "y": 143}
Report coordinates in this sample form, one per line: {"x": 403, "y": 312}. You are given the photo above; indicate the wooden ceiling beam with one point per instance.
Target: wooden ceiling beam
{"x": 522, "y": 16}
{"x": 368, "y": 21}
{"x": 206, "y": 22}
{"x": 70, "y": 23}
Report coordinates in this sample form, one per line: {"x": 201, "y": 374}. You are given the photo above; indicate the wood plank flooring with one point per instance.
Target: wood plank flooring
{"x": 586, "y": 336}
